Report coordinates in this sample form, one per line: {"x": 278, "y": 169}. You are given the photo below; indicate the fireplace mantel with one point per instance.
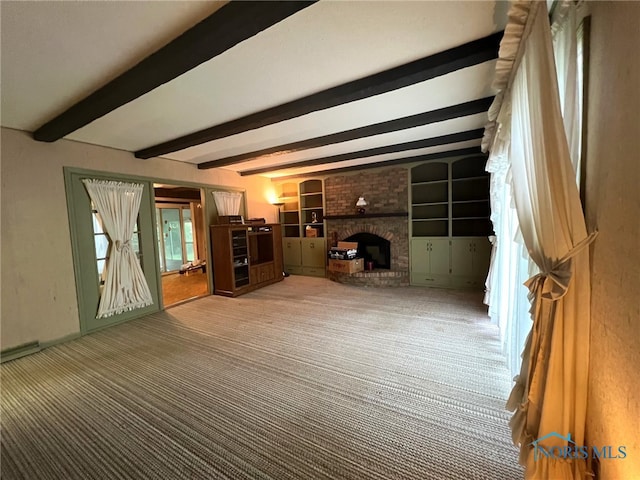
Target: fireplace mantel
{"x": 367, "y": 215}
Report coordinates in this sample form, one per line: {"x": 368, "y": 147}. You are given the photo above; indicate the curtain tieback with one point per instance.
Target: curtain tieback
{"x": 120, "y": 246}
{"x": 553, "y": 284}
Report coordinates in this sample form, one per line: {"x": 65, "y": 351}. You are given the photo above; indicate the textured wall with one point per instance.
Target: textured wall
{"x": 613, "y": 207}
{"x": 38, "y": 284}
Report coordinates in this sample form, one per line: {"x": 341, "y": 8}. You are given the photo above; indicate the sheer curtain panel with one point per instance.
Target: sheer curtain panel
{"x": 565, "y": 48}
{"x": 227, "y": 203}
{"x": 125, "y": 286}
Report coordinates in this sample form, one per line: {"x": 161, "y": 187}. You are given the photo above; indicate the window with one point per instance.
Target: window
{"x": 101, "y": 242}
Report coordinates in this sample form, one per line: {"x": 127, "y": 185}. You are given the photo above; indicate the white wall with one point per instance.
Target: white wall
{"x": 613, "y": 207}
{"x": 38, "y": 284}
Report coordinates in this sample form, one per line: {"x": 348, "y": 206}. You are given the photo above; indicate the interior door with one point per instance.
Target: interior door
{"x": 175, "y": 236}
{"x": 91, "y": 249}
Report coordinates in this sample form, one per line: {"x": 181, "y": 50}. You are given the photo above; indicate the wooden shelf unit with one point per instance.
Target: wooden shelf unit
{"x": 245, "y": 258}
{"x": 303, "y": 202}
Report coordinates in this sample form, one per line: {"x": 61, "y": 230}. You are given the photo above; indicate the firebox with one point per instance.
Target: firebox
{"x": 374, "y": 248}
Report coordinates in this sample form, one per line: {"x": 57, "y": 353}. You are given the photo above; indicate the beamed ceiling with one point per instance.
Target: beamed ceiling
{"x": 270, "y": 88}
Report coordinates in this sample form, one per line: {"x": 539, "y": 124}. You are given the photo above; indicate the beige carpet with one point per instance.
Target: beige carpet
{"x": 304, "y": 379}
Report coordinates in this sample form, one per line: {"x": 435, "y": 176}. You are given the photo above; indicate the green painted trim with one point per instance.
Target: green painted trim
{"x": 58, "y": 341}
{"x": 19, "y": 351}
{"x": 209, "y": 210}
{"x": 75, "y": 251}
{"x": 84, "y": 249}
{"x": 139, "y": 178}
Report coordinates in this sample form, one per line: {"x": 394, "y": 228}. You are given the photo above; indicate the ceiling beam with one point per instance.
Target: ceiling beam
{"x": 467, "y": 55}
{"x": 228, "y": 26}
{"x": 420, "y": 119}
{"x": 371, "y": 152}
{"x": 390, "y": 163}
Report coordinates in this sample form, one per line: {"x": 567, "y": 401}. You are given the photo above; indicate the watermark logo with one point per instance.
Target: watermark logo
{"x": 573, "y": 451}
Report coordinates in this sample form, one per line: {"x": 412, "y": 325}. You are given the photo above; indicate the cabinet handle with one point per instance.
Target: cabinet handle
{"x": 312, "y": 245}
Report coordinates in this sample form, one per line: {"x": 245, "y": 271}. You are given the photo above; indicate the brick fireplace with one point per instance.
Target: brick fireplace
{"x": 386, "y": 192}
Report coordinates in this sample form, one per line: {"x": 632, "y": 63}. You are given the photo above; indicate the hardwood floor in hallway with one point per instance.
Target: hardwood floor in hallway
{"x": 177, "y": 288}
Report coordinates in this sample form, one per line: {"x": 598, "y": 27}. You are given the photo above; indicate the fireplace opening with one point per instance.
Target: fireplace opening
{"x": 374, "y": 248}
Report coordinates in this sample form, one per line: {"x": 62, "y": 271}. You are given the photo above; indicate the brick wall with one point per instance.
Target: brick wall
{"x": 384, "y": 190}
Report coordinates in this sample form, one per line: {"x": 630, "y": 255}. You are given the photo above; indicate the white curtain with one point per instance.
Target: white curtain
{"x": 565, "y": 47}
{"x": 534, "y": 134}
{"x": 125, "y": 286}
{"x": 227, "y": 203}
{"x": 551, "y": 390}
{"x": 510, "y": 267}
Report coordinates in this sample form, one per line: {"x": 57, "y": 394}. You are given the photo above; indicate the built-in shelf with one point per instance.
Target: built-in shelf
{"x": 367, "y": 215}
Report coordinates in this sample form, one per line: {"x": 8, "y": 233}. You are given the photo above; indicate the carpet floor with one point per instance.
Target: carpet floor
{"x": 304, "y": 379}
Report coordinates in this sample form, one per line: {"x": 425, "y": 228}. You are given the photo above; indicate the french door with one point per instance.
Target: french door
{"x": 91, "y": 248}
{"x": 176, "y": 242}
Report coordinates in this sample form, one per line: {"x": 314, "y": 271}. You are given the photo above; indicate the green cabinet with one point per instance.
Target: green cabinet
{"x": 305, "y": 256}
{"x": 430, "y": 263}
{"x": 292, "y": 252}
{"x": 314, "y": 252}
{"x": 449, "y": 206}
{"x": 302, "y": 218}
{"x": 470, "y": 257}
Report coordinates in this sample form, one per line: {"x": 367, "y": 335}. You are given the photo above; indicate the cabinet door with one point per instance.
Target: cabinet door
{"x": 430, "y": 261}
{"x": 462, "y": 256}
{"x": 439, "y": 256}
{"x": 314, "y": 253}
{"x": 291, "y": 252}
{"x": 420, "y": 255}
{"x": 266, "y": 272}
{"x": 481, "y": 257}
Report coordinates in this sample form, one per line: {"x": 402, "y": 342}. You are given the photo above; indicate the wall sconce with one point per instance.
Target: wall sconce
{"x": 360, "y": 204}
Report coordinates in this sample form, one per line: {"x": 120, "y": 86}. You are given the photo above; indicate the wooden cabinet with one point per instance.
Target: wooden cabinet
{"x": 245, "y": 257}
{"x": 450, "y": 223}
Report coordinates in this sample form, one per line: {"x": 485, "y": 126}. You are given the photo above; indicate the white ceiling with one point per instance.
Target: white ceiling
{"x": 56, "y": 53}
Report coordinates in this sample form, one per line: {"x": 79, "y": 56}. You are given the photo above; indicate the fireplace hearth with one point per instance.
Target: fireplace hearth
{"x": 382, "y": 232}
{"x": 381, "y": 240}
{"x": 373, "y": 248}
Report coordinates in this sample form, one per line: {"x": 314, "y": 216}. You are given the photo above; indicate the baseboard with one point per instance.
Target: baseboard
{"x": 33, "y": 347}
{"x": 57, "y": 341}
{"x": 19, "y": 351}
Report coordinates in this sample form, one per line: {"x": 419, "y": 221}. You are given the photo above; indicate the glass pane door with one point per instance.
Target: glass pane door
{"x": 172, "y": 239}
{"x": 176, "y": 236}
{"x": 187, "y": 226}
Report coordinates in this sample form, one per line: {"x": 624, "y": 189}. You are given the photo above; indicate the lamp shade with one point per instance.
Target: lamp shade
{"x": 361, "y": 202}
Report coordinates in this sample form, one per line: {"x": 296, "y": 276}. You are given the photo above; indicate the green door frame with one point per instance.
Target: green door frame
{"x": 84, "y": 263}
{"x": 81, "y": 231}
